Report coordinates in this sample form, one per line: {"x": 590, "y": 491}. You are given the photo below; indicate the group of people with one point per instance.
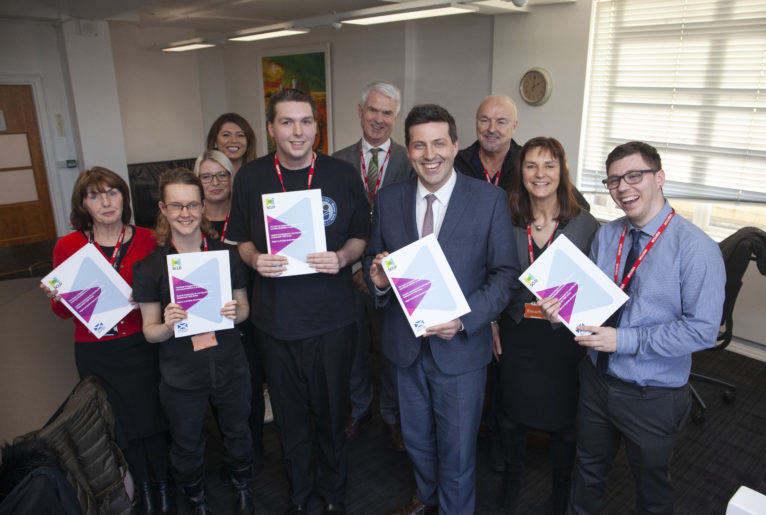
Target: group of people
{"x": 494, "y": 207}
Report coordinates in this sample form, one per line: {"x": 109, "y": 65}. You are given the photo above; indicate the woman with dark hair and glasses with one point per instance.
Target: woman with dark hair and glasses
{"x": 122, "y": 360}
{"x": 232, "y": 135}
{"x": 538, "y": 361}
{"x": 201, "y": 368}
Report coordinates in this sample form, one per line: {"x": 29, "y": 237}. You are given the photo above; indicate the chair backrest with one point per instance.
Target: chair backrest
{"x": 748, "y": 243}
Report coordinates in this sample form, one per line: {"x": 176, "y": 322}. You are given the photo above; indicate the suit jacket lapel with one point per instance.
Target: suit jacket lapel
{"x": 409, "y": 201}
{"x": 357, "y": 152}
{"x": 458, "y": 203}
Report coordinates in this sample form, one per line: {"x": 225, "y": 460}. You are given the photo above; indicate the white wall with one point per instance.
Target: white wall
{"x": 168, "y": 101}
{"x": 159, "y": 94}
{"x": 554, "y": 37}
{"x": 30, "y": 53}
{"x": 93, "y": 88}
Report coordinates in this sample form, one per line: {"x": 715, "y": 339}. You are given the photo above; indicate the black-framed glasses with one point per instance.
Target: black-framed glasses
{"x": 208, "y": 177}
{"x": 176, "y": 207}
{"x": 631, "y": 177}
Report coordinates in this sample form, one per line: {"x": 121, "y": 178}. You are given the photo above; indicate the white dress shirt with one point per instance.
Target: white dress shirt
{"x": 439, "y": 206}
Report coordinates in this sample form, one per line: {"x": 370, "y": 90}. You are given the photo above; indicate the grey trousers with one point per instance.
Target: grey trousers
{"x": 648, "y": 419}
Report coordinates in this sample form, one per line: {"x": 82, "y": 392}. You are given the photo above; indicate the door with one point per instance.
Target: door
{"x": 26, "y": 215}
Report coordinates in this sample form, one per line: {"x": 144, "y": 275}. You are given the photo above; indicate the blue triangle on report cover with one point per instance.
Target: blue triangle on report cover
{"x": 438, "y": 297}
{"x": 206, "y": 276}
{"x": 88, "y": 276}
{"x": 298, "y": 216}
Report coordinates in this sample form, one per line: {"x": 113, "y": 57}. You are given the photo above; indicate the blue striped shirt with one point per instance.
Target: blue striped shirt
{"x": 676, "y": 300}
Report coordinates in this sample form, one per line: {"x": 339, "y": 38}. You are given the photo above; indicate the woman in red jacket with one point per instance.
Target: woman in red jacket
{"x": 123, "y": 361}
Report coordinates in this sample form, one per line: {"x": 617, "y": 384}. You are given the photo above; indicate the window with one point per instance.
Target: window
{"x": 688, "y": 77}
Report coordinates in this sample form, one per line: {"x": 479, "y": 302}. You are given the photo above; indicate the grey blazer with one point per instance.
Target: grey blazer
{"x": 396, "y": 170}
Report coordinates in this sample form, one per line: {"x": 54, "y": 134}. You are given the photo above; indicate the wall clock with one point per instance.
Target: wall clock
{"x": 536, "y": 86}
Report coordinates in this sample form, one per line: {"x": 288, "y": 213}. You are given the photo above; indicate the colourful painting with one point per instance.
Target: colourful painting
{"x": 307, "y": 73}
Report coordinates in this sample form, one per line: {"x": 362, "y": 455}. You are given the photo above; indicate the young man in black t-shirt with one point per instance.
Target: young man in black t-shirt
{"x": 306, "y": 322}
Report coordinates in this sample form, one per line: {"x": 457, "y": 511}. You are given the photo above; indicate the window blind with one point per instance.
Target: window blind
{"x": 688, "y": 77}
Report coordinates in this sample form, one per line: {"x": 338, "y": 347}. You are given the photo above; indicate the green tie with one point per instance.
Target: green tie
{"x": 372, "y": 173}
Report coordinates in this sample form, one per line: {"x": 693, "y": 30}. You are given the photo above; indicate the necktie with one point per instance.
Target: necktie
{"x": 602, "y": 359}
{"x": 428, "y": 220}
{"x": 372, "y": 173}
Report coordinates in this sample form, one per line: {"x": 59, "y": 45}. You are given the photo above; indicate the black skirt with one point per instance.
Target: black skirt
{"x": 129, "y": 371}
{"x": 538, "y": 373}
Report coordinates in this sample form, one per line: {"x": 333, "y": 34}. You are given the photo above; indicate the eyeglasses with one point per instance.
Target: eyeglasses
{"x": 176, "y": 208}
{"x": 632, "y": 177}
{"x": 208, "y": 177}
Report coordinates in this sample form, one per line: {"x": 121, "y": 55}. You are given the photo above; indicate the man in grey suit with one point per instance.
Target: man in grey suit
{"x": 380, "y": 162}
{"x": 441, "y": 376}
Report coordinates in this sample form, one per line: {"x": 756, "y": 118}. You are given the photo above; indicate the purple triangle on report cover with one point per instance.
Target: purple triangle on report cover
{"x": 411, "y": 291}
{"x": 187, "y": 294}
{"x": 83, "y": 301}
{"x": 566, "y": 293}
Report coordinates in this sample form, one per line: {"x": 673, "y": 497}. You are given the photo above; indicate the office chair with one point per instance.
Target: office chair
{"x": 748, "y": 243}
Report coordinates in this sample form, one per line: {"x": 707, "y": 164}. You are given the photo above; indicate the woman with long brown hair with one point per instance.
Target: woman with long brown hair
{"x": 538, "y": 361}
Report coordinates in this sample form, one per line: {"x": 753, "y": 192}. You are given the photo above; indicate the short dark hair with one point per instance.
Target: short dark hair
{"x": 288, "y": 95}
{"x": 520, "y": 203}
{"x": 236, "y": 119}
{"x": 649, "y": 154}
{"x": 186, "y": 177}
{"x": 427, "y": 113}
{"x": 96, "y": 178}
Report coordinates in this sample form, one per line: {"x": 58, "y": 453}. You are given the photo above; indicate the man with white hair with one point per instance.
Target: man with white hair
{"x": 380, "y": 162}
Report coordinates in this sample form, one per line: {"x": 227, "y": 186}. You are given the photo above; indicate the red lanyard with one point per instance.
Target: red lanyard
{"x": 372, "y": 195}
{"x": 640, "y": 258}
{"x": 225, "y": 225}
{"x": 529, "y": 240}
{"x": 311, "y": 170}
{"x": 116, "y": 250}
{"x": 204, "y": 243}
{"x": 497, "y": 176}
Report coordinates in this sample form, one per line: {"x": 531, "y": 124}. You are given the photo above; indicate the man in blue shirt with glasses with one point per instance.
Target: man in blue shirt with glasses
{"x": 633, "y": 381}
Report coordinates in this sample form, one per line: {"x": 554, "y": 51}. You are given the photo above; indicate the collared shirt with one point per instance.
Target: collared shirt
{"x": 367, "y": 152}
{"x": 439, "y": 206}
{"x": 676, "y": 300}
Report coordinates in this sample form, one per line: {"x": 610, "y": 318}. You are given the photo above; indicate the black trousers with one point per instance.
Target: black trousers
{"x": 185, "y": 410}
{"x": 648, "y": 419}
{"x": 252, "y": 351}
{"x": 308, "y": 386}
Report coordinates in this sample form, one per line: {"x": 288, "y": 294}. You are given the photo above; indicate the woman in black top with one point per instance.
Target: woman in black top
{"x": 538, "y": 360}
{"x": 210, "y": 366}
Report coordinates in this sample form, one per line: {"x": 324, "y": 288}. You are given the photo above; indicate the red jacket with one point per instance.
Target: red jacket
{"x": 140, "y": 246}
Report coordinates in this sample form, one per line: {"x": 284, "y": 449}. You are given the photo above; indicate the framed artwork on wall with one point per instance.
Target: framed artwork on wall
{"x": 309, "y": 71}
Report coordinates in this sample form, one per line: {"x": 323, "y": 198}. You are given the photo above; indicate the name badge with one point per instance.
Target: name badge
{"x": 532, "y": 310}
{"x": 203, "y": 341}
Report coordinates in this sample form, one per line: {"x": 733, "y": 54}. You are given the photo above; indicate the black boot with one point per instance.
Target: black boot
{"x": 241, "y": 478}
{"x": 166, "y": 504}
{"x": 197, "y": 495}
{"x": 144, "y": 501}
